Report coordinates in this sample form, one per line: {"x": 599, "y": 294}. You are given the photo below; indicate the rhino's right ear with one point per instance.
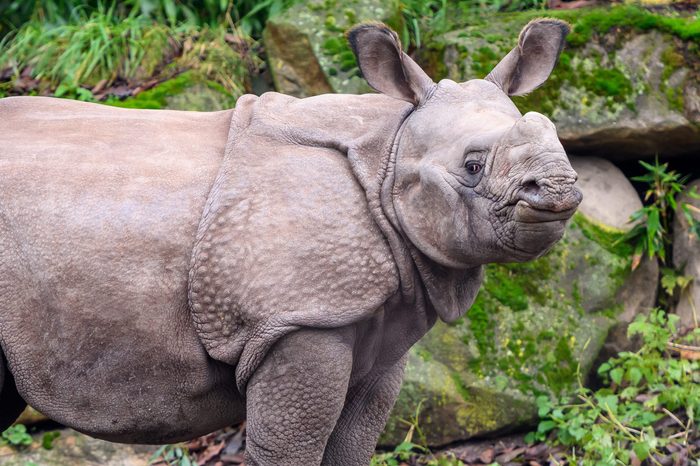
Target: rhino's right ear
{"x": 384, "y": 65}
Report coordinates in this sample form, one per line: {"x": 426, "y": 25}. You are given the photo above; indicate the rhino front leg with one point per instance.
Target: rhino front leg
{"x": 364, "y": 416}
{"x": 296, "y": 396}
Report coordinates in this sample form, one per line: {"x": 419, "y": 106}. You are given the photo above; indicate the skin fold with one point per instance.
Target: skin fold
{"x": 164, "y": 274}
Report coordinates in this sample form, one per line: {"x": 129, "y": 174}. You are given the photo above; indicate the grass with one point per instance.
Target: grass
{"x": 98, "y": 47}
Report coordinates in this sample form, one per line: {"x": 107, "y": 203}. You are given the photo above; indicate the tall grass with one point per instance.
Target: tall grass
{"x": 96, "y": 47}
{"x": 248, "y": 15}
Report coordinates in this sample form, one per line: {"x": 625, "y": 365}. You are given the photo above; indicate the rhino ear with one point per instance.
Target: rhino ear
{"x": 385, "y": 67}
{"x": 529, "y": 64}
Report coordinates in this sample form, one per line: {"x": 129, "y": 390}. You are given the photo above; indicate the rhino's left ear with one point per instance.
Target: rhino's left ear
{"x": 529, "y": 64}
{"x": 384, "y": 65}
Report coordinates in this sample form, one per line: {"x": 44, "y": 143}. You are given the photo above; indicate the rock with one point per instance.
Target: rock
{"x": 307, "y": 52}
{"x": 601, "y": 181}
{"x": 626, "y": 92}
{"x": 686, "y": 257}
{"x": 31, "y": 416}
{"x": 187, "y": 91}
{"x": 73, "y": 448}
{"x": 609, "y": 200}
{"x": 534, "y": 326}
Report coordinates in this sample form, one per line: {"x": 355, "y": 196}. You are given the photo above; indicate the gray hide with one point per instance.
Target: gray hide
{"x": 164, "y": 274}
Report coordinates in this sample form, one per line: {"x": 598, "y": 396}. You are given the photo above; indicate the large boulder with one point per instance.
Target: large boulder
{"x": 627, "y": 85}
{"x": 534, "y": 328}
{"x": 307, "y": 52}
{"x": 686, "y": 257}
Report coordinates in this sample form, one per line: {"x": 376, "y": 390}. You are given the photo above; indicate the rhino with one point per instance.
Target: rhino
{"x": 164, "y": 274}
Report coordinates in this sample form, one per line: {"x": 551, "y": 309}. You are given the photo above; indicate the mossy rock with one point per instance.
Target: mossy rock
{"x": 535, "y": 328}
{"x": 187, "y": 91}
{"x": 307, "y": 51}
{"x": 627, "y": 83}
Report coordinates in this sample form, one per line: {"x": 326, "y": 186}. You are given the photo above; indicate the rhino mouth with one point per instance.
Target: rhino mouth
{"x": 528, "y": 213}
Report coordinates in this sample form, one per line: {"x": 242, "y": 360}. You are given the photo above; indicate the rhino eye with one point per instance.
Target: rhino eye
{"x": 473, "y": 167}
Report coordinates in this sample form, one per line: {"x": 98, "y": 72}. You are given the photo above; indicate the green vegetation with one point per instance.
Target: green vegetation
{"x": 95, "y": 48}
{"x": 16, "y": 436}
{"x": 622, "y": 422}
{"x": 652, "y": 233}
{"x": 81, "y": 59}
{"x": 247, "y": 15}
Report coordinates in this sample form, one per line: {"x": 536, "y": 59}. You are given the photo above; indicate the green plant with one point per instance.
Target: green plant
{"x": 650, "y": 401}
{"x": 99, "y": 47}
{"x": 171, "y": 455}
{"x": 48, "y": 438}
{"x": 651, "y": 233}
{"x": 16, "y": 436}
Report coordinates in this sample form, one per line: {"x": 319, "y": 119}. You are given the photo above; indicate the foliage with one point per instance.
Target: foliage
{"x": 48, "y": 438}
{"x": 16, "y": 436}
{"x": 99, "y": 46}
{"x": 171, "y": 455}
{"x": 640, "y": 409}
{"x": 248, "y": 15}
{"x": 651, "y": 233}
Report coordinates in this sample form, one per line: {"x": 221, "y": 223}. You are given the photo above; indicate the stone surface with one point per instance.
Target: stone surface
{"x": 31, "y": 416}
{"x": 307, "y": 51}
{"x": 609, "y": 200}
{"x": 75, "y": 449}
{"x": 626, "y": 94}
{"x": 601, "y": 181}
{"x": 534, "y": 326}
{"x": 686, "y": 257}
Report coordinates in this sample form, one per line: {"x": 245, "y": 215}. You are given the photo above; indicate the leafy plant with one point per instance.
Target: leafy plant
{"x": 16, "y": 436}
{"x": 650, "y": 404}
{"x": 651, "y": 233}
{"x": 171, "y": 455}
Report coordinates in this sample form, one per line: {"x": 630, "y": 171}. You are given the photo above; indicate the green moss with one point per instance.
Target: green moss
{"x": 155, "y": 98}
{"x": 600, "y": 21}
{"x": 610, "y": 82}
{"x": 609, "y": 238}
{"x": 672, "y": 61}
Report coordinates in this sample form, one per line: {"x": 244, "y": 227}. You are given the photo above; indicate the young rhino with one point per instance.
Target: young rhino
{"x": 164, "y": 274}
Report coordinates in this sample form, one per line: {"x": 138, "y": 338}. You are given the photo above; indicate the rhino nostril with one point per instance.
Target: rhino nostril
{"x": 531, "y": 185}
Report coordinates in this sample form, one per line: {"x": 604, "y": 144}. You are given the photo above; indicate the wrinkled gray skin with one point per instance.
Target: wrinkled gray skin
{"x": 164, "y": 274}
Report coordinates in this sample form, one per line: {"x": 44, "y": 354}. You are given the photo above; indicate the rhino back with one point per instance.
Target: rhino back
{"x": 99, "y": 209}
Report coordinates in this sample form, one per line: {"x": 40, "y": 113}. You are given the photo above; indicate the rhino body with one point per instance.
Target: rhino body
{"x": 165, "y": 274}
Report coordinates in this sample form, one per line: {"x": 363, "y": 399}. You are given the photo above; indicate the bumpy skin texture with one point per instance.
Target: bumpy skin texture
{"x": 163, "y": 274}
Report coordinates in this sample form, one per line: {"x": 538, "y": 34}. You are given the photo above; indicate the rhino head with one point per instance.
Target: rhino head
{"x": 475, "y": 181}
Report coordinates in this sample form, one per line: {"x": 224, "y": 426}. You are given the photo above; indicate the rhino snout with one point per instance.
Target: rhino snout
{"x": 549, "y": 198}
